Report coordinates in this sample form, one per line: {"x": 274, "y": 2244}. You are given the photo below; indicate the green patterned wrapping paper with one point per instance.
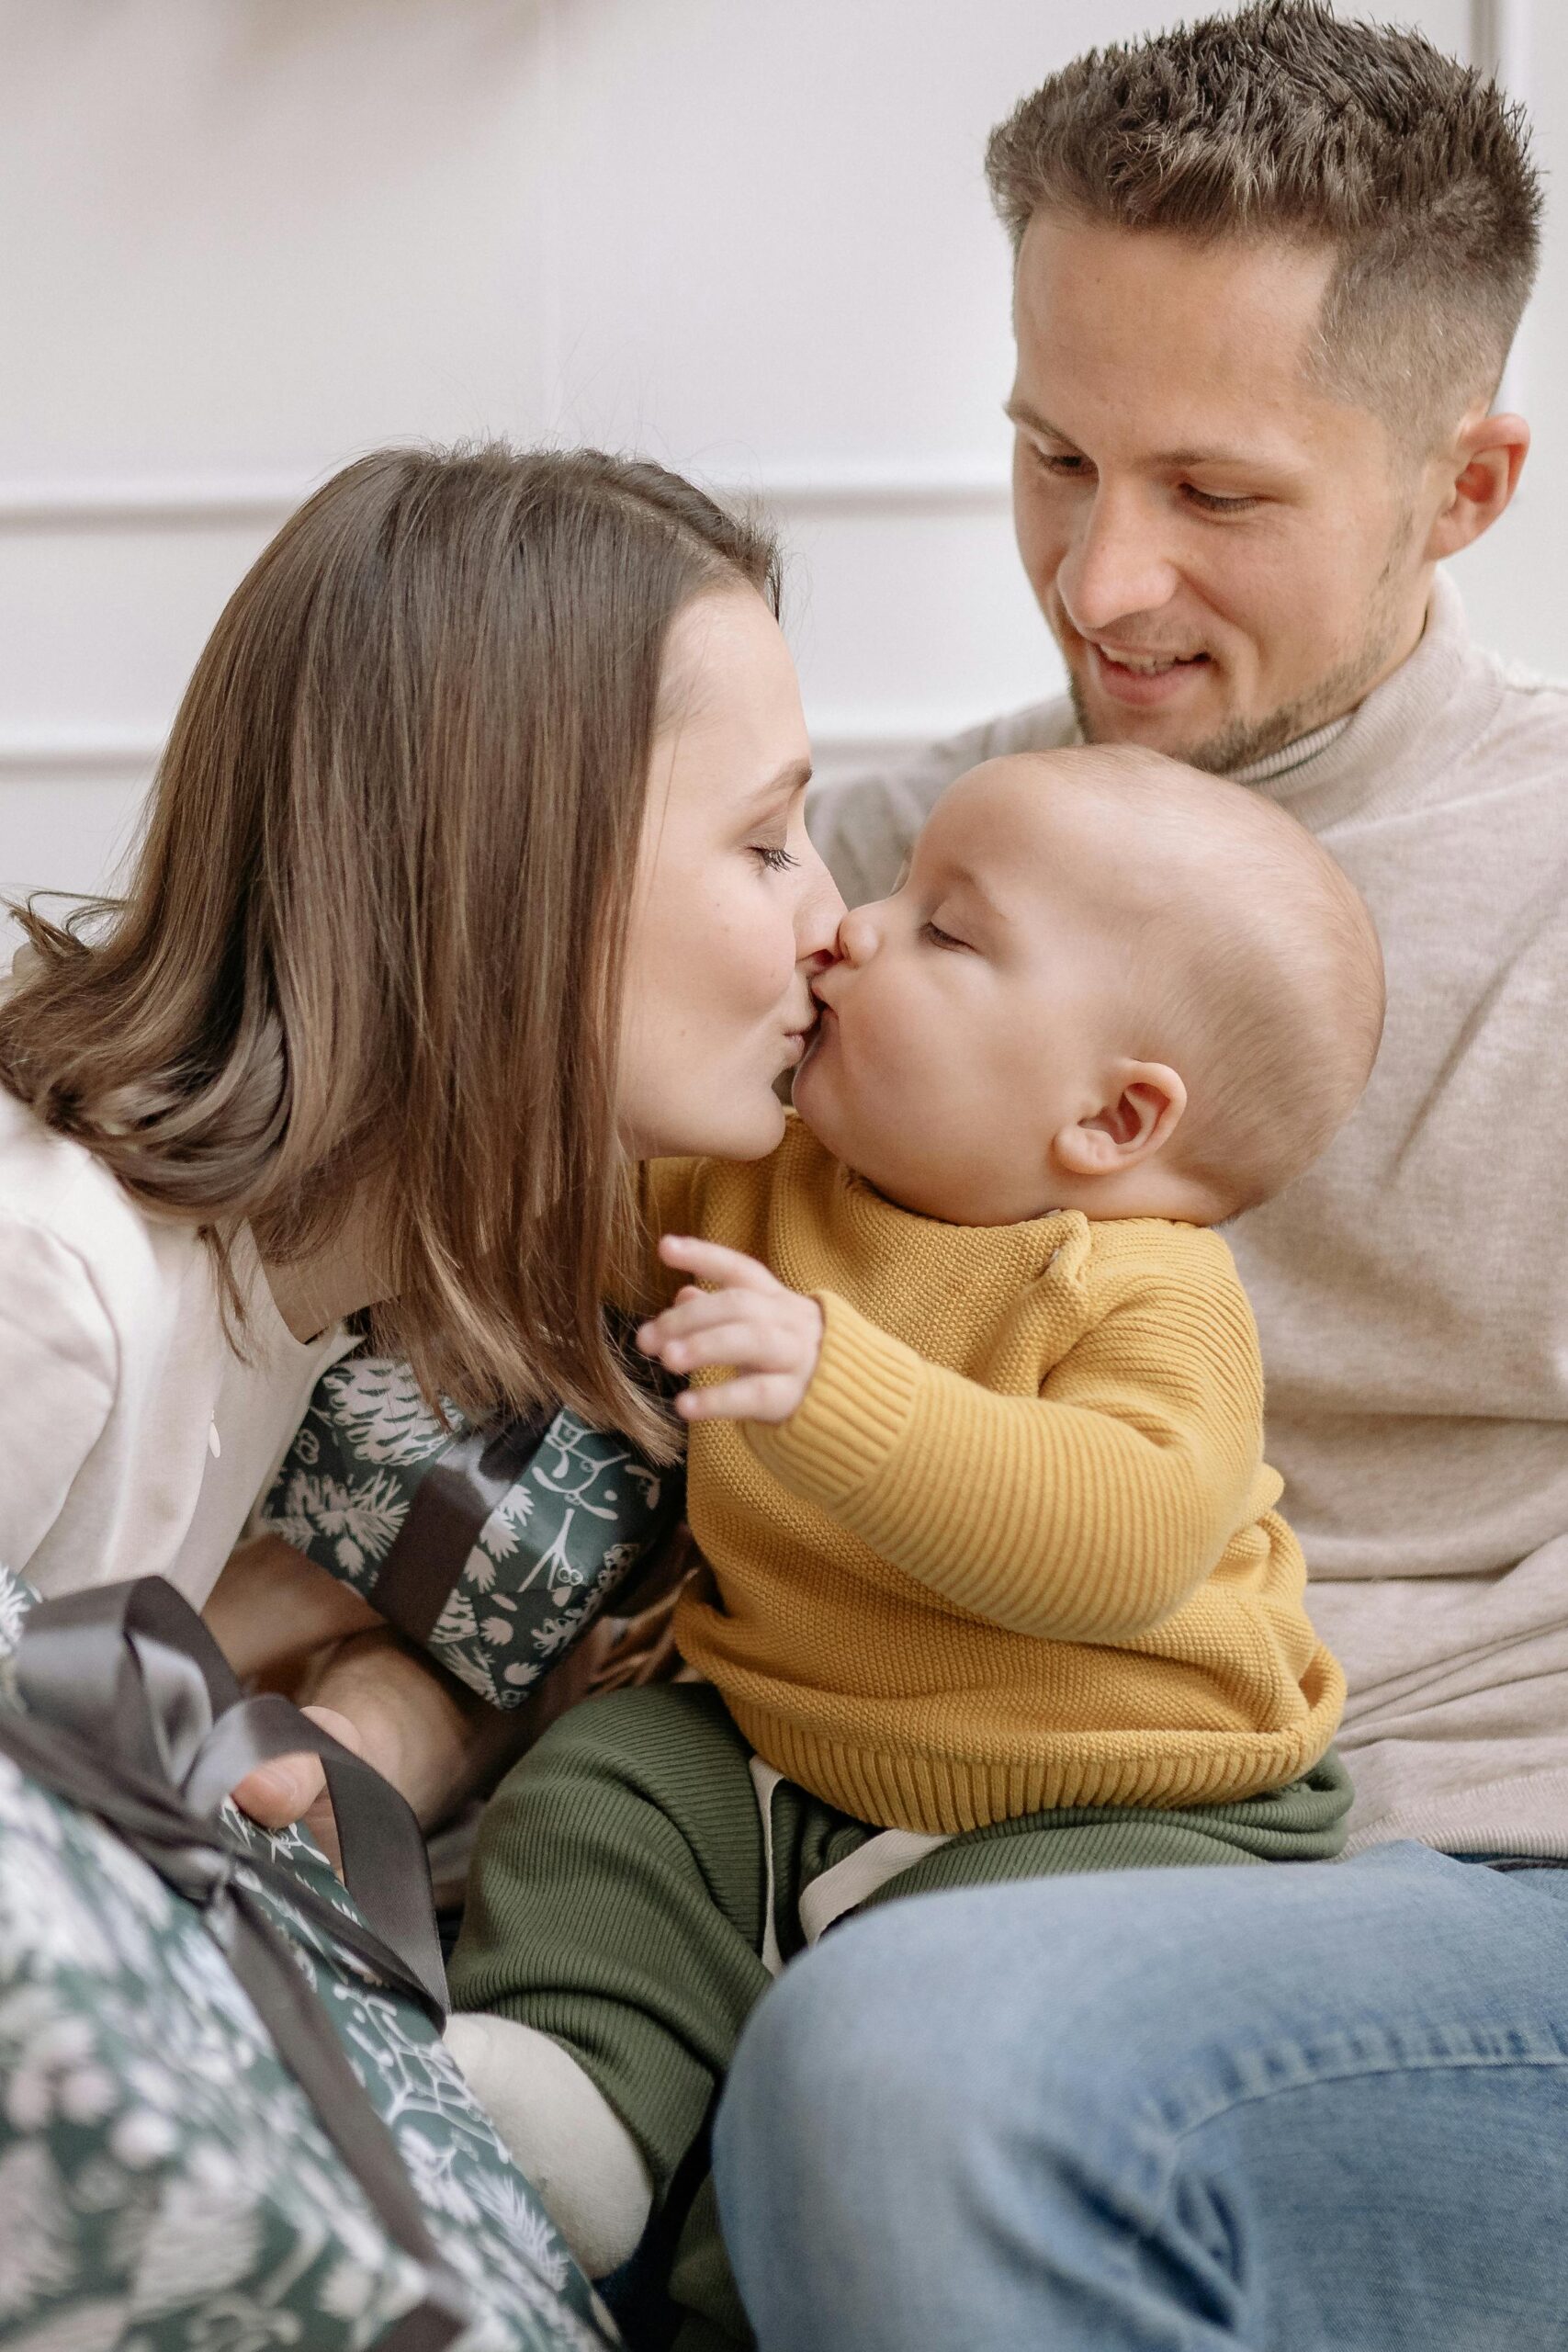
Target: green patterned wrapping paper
{"x": 558, "y": 1544}
{"x": 165, "y": 2185}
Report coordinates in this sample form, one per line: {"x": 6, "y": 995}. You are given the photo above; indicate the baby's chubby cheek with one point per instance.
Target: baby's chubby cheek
{"x": 859, "y": 1095}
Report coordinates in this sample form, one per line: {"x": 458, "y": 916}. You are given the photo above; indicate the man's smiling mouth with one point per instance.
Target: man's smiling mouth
{"x": 1146, "y": 665}
{"x": 1141, "y": 680}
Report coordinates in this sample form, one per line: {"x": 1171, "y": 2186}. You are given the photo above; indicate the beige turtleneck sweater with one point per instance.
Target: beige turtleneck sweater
{"x": 1412, "y": 1289}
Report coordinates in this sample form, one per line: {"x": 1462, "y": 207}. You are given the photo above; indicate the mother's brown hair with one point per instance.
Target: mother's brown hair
{"x": 372, "y": 946}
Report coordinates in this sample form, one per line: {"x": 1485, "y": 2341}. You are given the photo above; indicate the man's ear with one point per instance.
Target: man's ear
{"x": 1480, "y": 473}
{"x": 1147, "y": 1102}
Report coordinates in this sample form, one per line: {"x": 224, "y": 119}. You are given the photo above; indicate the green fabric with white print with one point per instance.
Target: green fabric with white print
{"x": 556, "y": 1547}
{"x": 164, "y": 2184}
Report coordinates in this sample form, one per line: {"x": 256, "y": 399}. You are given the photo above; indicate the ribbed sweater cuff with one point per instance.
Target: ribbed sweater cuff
{"x": 854, "y": 1413}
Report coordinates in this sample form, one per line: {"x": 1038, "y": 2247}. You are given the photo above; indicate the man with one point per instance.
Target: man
{"x": 1268, "y": 268}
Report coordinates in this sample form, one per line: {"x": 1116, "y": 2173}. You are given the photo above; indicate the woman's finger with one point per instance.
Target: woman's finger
{"x": 281, "y": 1793}
{"x": 712, "y": 1262}
{"x": 292, "y": 1787}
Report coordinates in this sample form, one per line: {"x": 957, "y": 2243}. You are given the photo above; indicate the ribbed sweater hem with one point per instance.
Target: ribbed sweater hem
{"x": 856, "y": 1407}
{"x": 944, "y": 1795}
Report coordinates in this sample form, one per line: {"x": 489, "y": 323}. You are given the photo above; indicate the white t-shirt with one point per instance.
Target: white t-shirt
{"x": 133, "y": 1439}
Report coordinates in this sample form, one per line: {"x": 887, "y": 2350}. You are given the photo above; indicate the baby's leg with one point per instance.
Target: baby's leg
{"x": 577, "y": 2153}
{"x": 611, "y": 1941}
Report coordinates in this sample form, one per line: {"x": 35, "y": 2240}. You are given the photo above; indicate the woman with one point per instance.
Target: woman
{"x": 475, "y": 870}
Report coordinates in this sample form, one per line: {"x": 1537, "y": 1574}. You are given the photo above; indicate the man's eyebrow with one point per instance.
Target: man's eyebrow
{"x": 1019, "y": 413}
{"x": 1250, "y": 460}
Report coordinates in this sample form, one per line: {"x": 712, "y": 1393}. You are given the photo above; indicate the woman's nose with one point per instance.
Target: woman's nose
{"x": 818, "y": 910}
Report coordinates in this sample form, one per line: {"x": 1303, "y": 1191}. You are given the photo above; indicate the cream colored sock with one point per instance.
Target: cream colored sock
{"x": 564, "y": 2133}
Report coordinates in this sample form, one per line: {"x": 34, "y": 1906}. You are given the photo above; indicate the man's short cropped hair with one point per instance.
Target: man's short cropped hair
{"x": 1283, "y": 121}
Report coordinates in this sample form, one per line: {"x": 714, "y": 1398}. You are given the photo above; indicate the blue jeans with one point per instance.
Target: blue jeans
{"x": 1320, "y": 2107}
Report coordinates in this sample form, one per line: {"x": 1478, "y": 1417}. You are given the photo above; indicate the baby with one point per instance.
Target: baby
{"x": 998, "y": 1584}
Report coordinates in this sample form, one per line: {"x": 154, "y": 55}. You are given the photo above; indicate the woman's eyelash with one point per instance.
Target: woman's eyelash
{"x": 775, "y": 860}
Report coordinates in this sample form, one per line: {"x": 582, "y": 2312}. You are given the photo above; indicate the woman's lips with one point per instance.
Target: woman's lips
{"x": 817, "y": 1035}
{"x": 1143, "y": 689}
{"x": 799, "y": 1042}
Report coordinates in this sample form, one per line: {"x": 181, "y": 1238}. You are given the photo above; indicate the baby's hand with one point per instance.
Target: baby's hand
{"x": 771, "y": 1336}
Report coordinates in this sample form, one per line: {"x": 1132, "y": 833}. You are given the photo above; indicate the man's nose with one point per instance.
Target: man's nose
{"x": 1116, "y": 570}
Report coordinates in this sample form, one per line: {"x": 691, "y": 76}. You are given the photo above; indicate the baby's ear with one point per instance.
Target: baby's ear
{"x": 1144, "y": 1105}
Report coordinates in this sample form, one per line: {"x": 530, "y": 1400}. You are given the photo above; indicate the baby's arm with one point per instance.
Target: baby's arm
{"x": 1087, "y": 1513}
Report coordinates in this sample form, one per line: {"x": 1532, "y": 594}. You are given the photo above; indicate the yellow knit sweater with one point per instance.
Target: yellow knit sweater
{"x": 1017, "y": 1548}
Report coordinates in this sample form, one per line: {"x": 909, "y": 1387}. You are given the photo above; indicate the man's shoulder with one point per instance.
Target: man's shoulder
{"x": 863, "y": 823}
{"x": 1531, "y": 704}
{"x": 1518, "y": 761}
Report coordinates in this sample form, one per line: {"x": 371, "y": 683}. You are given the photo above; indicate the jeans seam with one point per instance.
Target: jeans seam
{"x": 1176, "y": 2113}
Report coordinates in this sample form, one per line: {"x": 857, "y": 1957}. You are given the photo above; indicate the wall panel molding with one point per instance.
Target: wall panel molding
{"x": 1500, "y": 47}
{"x": 41, "y": 753}
{"x": 89, "y": 506}
{"x": 1500, "y": 42}
{"x": 224, "y": 501}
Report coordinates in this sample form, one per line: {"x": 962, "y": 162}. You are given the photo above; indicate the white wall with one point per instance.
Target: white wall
{"x": 248, "y": 239}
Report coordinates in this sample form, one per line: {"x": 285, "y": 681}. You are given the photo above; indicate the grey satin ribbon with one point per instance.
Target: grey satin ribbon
{"x": 450, "y": 1504}
{"x": 445, "y": 1514}
{"x": 133, "y": 1714}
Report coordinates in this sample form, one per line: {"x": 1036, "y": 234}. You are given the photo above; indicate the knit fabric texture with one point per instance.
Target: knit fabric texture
{"x": 1017, "y": 1549}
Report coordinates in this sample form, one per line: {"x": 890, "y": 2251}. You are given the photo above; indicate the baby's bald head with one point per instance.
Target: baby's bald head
{"x": 1106, "y": 982}
{"x": 1241, "y": 953}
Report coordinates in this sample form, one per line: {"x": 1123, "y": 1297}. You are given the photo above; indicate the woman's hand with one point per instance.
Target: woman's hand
{"x": 772, "y": 1336}
{"x": 273, "y": 1609}
{"x": 294, "y": 1788}
{"x": 435, "y": 1743}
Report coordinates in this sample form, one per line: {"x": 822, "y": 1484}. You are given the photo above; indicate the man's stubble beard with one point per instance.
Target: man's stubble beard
{"x": 1339, "y": 691}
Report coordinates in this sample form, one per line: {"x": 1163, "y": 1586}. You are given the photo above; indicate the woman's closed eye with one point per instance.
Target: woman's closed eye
{"x": 775, "y": 858}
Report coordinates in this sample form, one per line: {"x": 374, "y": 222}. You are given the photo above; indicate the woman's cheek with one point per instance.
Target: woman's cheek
{"x": 732, "y": 943}
{"x": 769, "y": 952}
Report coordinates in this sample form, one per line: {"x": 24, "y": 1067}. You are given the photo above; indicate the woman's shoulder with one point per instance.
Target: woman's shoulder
{"x": 59, "y": 1203}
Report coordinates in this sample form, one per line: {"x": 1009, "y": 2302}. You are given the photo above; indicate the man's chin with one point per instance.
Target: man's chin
{"x": 1182, "y": 728}
{"x": 1211, "y": 740}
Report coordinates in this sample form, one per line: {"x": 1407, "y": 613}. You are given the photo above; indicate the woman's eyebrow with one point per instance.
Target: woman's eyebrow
{"x": 789, "y": 780}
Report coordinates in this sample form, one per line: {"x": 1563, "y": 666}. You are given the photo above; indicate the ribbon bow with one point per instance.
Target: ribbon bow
{"x": 133, "y": 1715}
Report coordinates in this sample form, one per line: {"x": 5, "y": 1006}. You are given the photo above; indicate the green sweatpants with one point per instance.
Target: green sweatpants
{"x": 617, "y": 1903}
